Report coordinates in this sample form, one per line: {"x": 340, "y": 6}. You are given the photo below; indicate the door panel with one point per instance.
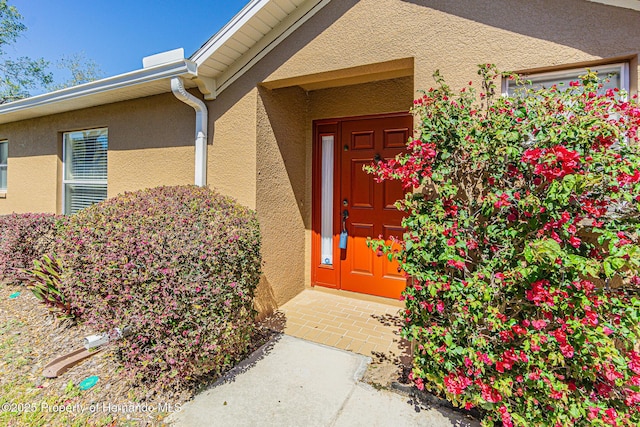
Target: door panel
{"x": 362, "y": 196}
{"x": 371, "y": 205}
{"x": 362, "y": 263}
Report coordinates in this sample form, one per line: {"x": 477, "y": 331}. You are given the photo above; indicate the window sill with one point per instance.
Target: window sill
{"x": 3, "y": 194}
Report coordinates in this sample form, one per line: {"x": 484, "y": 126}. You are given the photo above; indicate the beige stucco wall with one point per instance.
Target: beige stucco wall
{"x": 347, "y": 35}
{"x": 455, "y": 36}
{"x": 261, "y": 125}
{"x": 150, "y": 144}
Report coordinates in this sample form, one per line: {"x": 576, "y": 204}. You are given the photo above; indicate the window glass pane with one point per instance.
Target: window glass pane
{"x": 4, "y": 148}
{"x": 3, "y": 177}
{"x": 4, "y": 155}
{"x": 85, "y": 169}
{"x": 80, "y": 196}
{"x": 326, "y": 226}
{"x": 86, "y": 154}
{"x": 611, "y": 77}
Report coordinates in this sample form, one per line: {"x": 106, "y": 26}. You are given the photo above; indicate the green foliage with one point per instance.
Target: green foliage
{"x": 45, "y": 284}
{"x": 523, "y": 251}
{"x": 179, "y": 266}
{"x": 19, "y": 76}
{"x": 80, "y": 68}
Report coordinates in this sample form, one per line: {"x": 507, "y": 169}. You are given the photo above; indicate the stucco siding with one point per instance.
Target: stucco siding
{"x": 281, "y": 188}
{"x": 455, "y": 36}
{"x": 450, "y": 36}
{"x": 151, "y": 143}
{"x": 232, "y": 154}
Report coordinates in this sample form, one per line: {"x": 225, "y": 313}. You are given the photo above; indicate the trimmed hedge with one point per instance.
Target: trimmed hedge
{"x": 179, "y": 266}
{"x": 23, "y": 239}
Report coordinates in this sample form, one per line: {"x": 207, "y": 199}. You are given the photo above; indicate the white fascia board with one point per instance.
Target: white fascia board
{"x": 226, "y": 32}
{"x": 627, "y": 4}
{"x": 184, "y": 68}
{"x": 268, "y": 43}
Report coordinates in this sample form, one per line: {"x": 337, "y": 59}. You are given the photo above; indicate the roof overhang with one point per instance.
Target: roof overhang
{"x": 627, "y": 4}
{"x": 249, "y": 36}
{"x": 136, "y": 84}
{"x": 258, "y": 28}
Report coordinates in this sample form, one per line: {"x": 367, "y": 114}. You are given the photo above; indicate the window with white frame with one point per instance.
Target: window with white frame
{"x": 612, "y": 76}
{"x": 84, "y": 174}
{"x": 4, "y": 157}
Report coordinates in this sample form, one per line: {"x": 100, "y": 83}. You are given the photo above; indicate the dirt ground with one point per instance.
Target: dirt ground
{"x": 31, "y": 337}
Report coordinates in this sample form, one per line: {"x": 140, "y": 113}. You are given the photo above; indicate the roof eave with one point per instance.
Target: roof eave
{"x": 184, "y": 68}
{"x": 627, "y": 4}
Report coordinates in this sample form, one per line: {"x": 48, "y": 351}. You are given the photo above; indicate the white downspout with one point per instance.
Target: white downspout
{"x": 177, "y": 87}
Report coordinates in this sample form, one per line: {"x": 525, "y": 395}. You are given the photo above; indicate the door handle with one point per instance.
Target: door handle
{"x": 344, "y": 235}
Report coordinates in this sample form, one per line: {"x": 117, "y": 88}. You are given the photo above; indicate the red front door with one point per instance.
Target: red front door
{"x": 369, "y": 206}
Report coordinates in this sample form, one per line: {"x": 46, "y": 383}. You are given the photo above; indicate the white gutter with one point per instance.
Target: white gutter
{"x": 122, "y": 81}
{"x": 177, "y": 87}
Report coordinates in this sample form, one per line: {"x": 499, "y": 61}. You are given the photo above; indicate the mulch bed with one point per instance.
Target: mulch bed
{"x": 31, "y": 337}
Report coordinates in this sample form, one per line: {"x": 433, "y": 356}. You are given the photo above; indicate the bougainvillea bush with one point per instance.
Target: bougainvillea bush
{"x": 176, "y": 266}
{"x": 522, "y": 246}
{"x": 23, "y": 239}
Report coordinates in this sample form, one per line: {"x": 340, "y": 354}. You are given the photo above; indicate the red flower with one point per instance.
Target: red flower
{"x": 634, "y": 362}
{"x": 456, "y": 264}
{"x": 590, "y": 317}
{"x": 456, "y": 383}
{"x": 538, "y": 294}
{"x": 490, "y": 394}
{"x": 534, "y": 375}
{"x": 575, "y": 242}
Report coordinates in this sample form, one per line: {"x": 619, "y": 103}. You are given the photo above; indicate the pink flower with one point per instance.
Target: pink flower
{"x": 575, "y": 242}
{"x": 456, "y": 383}
{"x": 539, "y": 324}
{"x": 567, "y": 350}
{"x": 506, "y": 416}
{"x": 634, "y": 363}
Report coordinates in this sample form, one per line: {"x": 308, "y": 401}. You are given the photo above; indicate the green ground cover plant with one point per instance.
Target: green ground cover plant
{"x": 522, "y": 219}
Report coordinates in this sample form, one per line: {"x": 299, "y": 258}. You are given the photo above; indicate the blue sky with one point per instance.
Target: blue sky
{"x": 116, "y": 34}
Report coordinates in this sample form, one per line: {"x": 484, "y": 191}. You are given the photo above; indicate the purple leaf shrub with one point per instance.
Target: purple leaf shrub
{"x": 24, "y": 238}
{"x": 179, "y": 266}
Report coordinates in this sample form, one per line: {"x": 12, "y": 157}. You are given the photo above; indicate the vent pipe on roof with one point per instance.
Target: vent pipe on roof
{"x": 177, "y": 87}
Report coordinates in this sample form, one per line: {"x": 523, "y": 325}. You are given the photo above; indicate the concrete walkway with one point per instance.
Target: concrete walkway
{"x": 294, "y": 382}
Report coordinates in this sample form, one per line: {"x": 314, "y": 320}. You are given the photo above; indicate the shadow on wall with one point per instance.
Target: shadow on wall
{"x": 264, "y": 300}
{"x": 159, "y": 121}
{"x": 282, "y": 137}
{"x": 322, "y": 20}
{"x": 575, "y": 23}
